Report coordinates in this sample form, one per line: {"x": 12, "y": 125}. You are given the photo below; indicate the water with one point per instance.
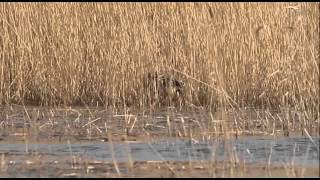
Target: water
{"x": 87, "y": 156}
{"x": 298, "y": 150}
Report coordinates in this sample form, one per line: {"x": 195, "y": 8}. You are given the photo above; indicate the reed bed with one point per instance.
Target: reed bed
{"x": 262, "y": 55}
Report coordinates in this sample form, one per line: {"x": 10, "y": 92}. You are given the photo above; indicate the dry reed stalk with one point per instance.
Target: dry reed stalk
{"x": 229, "y": 55}
{"x": 109, "y": 135}
{"x": 73, "y": 53}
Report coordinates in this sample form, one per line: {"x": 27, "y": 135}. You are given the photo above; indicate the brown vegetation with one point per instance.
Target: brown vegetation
{"x": 262, "y": 55}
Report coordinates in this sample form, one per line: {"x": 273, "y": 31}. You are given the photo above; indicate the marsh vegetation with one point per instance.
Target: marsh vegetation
{"x": 141, "y": 72}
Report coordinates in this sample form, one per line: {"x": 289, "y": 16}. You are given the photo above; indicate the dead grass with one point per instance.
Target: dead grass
{"x": 264, "y": 55}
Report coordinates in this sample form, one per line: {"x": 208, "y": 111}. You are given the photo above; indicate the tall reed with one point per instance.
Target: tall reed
{"x": 264, "y": 55}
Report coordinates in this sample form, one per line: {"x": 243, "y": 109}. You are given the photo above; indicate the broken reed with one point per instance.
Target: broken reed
{"x": 263, "y": 55}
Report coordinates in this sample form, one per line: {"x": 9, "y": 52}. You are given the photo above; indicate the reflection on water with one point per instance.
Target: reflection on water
{"x": 251, "y": 149}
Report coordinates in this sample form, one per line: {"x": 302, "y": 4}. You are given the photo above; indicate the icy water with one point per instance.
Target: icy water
{"x": 37, "y": 142}
{"x": 300, "y": 151}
